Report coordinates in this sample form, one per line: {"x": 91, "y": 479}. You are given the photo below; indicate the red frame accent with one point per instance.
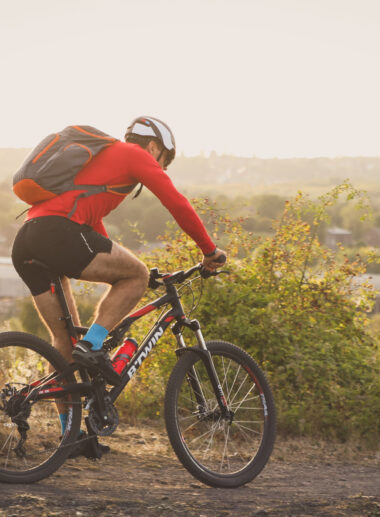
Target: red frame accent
{"x": 51, "y": 390}
{"x": 144, "y": 310}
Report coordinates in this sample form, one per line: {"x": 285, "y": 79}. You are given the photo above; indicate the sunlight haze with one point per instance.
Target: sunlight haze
{"x": 278, "y": 78}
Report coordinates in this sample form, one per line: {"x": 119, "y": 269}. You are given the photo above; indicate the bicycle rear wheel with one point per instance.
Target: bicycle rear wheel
{"x": 31, "y": 445}
{"x": 220, "y": 452}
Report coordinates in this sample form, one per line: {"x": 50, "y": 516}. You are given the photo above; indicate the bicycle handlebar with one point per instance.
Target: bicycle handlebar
{"x": 180, "y": 276}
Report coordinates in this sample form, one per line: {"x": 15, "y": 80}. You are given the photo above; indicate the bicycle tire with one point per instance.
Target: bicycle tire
{"x": 24, "y": 359}
{"x": 186, "y": 424}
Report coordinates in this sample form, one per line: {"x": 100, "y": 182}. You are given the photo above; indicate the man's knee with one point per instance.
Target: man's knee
{"x": 134, "y": 270}
{"x": 142, "y": 275}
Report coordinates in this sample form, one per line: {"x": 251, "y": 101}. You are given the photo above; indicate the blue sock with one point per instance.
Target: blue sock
{"x": 63, "y": 419}
{"x": 96, "y": 334}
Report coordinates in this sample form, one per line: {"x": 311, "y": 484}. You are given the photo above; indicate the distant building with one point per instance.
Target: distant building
{"x": 336, "y": 235}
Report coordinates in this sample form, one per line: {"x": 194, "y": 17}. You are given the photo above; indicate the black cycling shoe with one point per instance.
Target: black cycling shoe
{"x": 97, "y": 359}
{"x": 85, "y": 447}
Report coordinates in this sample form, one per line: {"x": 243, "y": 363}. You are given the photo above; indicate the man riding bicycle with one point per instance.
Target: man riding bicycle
{"x": 76, "y": 244}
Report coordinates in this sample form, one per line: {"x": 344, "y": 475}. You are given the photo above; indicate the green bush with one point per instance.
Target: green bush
{"x": 296, "y": 307}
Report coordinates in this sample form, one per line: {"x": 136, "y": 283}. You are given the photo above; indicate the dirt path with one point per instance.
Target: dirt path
{"x": 142, "y": 477}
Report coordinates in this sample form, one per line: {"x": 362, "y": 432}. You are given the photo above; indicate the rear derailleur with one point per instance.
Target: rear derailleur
{"x": 13, "y": 404}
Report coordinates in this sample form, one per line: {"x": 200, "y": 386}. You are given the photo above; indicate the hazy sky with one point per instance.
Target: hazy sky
{"x": 250, "y": 77}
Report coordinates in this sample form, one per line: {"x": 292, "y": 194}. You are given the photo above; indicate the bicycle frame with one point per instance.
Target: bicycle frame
{"x": 44, "y": 389}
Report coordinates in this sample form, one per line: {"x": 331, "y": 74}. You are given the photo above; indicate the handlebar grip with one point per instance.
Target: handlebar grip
{"x": 206, "y": 274}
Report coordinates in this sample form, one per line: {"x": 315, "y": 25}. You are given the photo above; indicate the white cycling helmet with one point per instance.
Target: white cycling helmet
{"x": 149, "y": 126}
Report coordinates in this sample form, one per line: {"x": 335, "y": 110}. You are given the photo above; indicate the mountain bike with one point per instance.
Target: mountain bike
{"x": 219, "y": 409}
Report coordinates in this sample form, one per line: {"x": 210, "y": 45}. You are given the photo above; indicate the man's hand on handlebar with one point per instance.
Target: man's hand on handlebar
{"x": 215, "y": 261}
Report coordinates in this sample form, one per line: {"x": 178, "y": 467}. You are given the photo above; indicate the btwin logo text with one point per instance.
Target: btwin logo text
{"x": 145, "y": 352}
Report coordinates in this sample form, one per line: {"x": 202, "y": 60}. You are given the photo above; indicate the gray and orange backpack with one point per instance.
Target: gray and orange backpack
{"x": 51, "y": 168}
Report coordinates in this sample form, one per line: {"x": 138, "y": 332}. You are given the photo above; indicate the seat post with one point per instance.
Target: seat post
{"x": 56, "y": 286}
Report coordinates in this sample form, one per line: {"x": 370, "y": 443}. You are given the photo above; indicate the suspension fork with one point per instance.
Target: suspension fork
{"x": 206, "y": 357}
{"x": 192, "y": 376}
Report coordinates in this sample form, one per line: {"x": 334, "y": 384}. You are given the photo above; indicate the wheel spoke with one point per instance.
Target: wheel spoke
{"x": 248, "y": 428}
{"x": 245, "y": 407}
{"x": 224, "y": 383}
{"x": 238, "y": 390}
{"x": 233, "y": 384}
{"x": 247, "y": 421}
{"x": 209, "y": 445}
{"x": 246, "y": 436}
{"x": 245, "y": 398}
{"x": 210, "y": 431}
{"x": 183, "y": 418}
{"x": 9, "y": 438}
{"x": 197, "y": 422}
{"x": 8, "y": 441}
{"x": 225, "y": 454}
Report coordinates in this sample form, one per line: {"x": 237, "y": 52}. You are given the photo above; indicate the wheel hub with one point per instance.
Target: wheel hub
{"x": 216, "y": 416}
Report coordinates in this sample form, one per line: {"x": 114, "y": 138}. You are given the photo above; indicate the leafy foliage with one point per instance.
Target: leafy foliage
{"x": 298, "y": 309}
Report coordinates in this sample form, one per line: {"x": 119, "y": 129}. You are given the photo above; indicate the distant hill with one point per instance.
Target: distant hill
{"x": 221, "y": 171}
{"x": 257, "y": 171}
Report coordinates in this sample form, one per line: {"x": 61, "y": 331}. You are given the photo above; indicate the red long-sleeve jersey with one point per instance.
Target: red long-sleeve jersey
{"x": 124, "y": 164}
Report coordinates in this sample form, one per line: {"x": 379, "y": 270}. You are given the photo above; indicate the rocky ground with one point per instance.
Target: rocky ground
{"x": 141, "y": 476}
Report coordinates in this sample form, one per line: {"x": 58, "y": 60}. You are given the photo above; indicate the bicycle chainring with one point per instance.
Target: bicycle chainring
{"x": 101, "y": 427}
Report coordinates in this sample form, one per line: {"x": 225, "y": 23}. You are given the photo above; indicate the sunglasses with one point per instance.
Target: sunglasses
{"x": 169, "y": 157}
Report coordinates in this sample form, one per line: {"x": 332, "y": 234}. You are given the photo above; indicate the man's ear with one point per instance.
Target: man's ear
{"x": 151, "y": 147}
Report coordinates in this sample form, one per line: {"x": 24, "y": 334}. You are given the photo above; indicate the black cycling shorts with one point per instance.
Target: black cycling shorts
{"x": 64, "y": 246}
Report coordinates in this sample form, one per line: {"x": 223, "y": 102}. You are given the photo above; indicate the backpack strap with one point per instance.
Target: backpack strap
{"x": 89, "y": 192}
{"x": 121, "y": 190}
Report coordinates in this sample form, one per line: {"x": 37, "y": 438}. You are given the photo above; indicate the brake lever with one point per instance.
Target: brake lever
{"x": 154, "y": 275}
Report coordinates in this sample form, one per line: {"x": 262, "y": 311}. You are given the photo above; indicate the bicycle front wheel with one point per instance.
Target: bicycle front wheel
{"x": 224, "y": 452}
{"x": 31, "y": 445}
